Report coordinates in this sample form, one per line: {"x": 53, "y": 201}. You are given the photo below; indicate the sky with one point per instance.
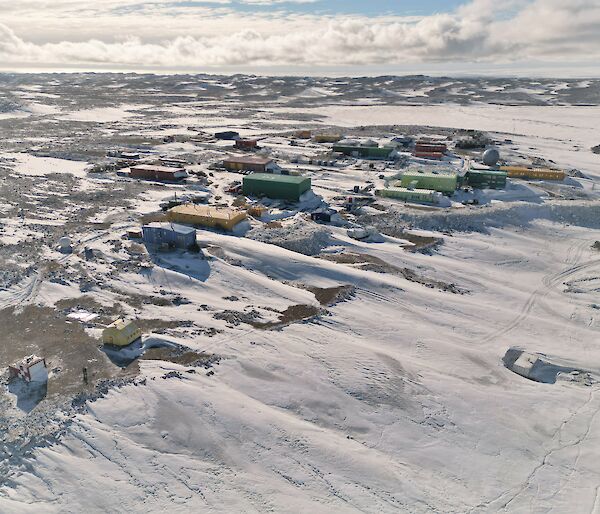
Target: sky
{"x": 353, "y": 37}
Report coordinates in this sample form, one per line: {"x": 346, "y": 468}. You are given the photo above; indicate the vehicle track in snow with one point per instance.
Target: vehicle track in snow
{"x": 20, "y": 295}
{"x": 549, "y": 282}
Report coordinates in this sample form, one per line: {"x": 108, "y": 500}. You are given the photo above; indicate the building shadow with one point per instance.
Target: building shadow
{"x": 28, "y": 395}
{"x": 191, "y": 264}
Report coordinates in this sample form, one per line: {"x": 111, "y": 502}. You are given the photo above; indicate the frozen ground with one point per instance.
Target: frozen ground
{"x": 393, "y": 396}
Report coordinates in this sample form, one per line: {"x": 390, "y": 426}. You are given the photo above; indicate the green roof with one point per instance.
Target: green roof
{"x": 271, "y": 177}
{"x": 429, "y": 174}
{"x": 493, "y": 173}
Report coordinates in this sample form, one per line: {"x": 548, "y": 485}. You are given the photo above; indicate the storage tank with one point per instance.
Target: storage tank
{"x": 491, "y": 157}
{"x": 64, "y": 244}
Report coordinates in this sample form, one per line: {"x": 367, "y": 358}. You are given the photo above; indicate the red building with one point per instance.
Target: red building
{"x": 246, "y": 144}
{"x": 429, "y": 150}
{"x": 247, "y": 163}
{"x": 161, "y": 173}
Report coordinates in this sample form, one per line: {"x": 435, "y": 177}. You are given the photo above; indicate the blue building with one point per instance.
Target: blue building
{"x": 171, "y": 234}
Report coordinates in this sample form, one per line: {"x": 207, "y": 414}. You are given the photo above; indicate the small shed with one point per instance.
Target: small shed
{"x": 30, "y": 369}
{"x": 524, "y": 364}
{"x": 284, "y": 187}
{"x": 247, "y": 163}
{"x": 322, "y": 215}
{"x": 246, "y": 144}
{"x": 121, "y": 332}
{"x": 172, "y": 234}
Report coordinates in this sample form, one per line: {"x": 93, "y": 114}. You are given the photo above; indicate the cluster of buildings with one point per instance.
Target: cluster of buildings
{"x": 262, "y": 177}
{"x": 427, "y": 186}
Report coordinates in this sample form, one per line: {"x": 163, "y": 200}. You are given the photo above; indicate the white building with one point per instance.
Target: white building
{"x": 30, "y": 369}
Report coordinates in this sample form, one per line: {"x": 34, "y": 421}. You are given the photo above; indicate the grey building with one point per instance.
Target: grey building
{"x": 171, "y": 234}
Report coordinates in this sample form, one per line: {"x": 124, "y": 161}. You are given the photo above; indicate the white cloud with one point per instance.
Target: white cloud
{"x": 165, "y": 34}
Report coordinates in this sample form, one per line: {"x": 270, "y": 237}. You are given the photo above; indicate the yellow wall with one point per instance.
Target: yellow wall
{"x": 123, "y": 337}
{"x": 541, "y": 173}
{"x": 221, "y": 221}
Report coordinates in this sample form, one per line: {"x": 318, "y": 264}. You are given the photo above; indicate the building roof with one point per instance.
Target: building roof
{"x": 29, "y": 361}
{"x": 478, "y": 171}
{"x": 399, "y": 189}
{"x": 161, "y": 169}
{"x": 123, "y": 325}
{"x": 272, "y": 177}
{"x": 430, "y": 173}
{"x": 242, "y": 159}
{"x": 207, "y": 211}
{"x": 174, "y": 227}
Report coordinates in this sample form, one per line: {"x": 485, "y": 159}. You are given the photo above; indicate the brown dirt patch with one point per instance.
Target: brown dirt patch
{"x": 65, "y": 345}
{"x": 328, "y": 296}
{"x": 372, "y": 263}
{"x": 292, "y": 314}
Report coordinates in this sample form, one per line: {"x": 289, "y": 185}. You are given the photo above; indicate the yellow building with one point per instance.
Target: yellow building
{"x": 256, "y": 211}
{"x": 121, "y": 333}
{"x": 206, "y": 216}
{"x": 327, "y": 138}
{"x": 535, "y": 173}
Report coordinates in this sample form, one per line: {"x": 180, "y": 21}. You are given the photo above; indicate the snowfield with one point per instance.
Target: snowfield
{"x": 391, "y": 397}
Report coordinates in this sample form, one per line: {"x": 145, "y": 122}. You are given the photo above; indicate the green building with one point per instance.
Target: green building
{"x": 365, "y": 152}
{"x": 486, "y": 179}
{"x": 441, "y": 181}
{"x": 409, "y": 195}
{"x": 283, "y": 187}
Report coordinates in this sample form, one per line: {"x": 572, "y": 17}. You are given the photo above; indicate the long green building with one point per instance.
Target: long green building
{"x": 283, "y": 187}
{"x": 486, "y": 179}
{"x": 441, "y": 181}
{"x": 410, "y": 195}
{"x": 365, "y": 152}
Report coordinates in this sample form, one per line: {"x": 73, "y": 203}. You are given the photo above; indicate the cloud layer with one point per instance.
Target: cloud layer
{"x": 166, "y": 35}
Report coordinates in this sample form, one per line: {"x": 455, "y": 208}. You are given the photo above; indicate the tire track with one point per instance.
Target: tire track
{"x": 549, "y": 282}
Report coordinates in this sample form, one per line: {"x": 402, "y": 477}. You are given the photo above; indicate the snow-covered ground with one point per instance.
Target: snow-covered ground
{"x": 395, "y": 397}
{"x": 396, "y": 400}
